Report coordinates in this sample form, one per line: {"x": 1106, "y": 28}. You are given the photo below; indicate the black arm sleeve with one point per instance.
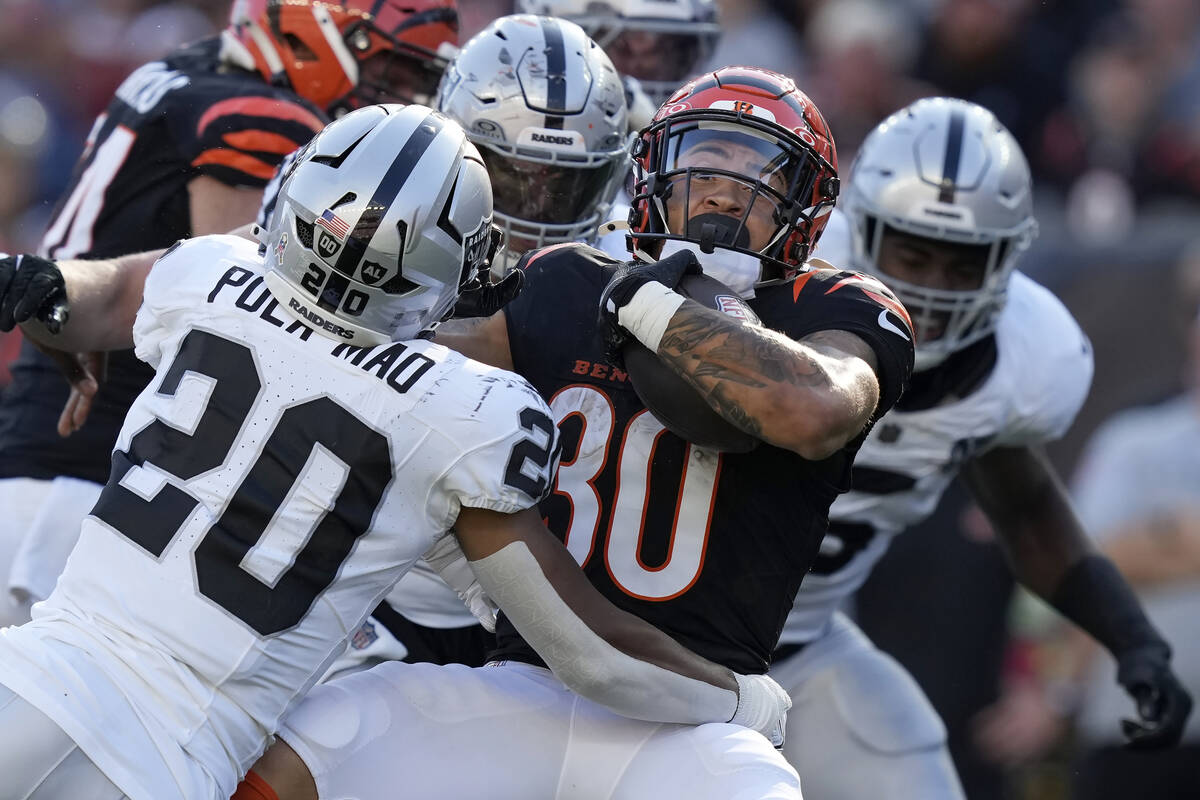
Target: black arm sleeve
{"x": 1095, "y": 596}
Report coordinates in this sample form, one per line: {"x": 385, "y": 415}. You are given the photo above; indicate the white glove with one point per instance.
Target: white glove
{"x": 449, "y": 561}
{"x": 762, "y": 706}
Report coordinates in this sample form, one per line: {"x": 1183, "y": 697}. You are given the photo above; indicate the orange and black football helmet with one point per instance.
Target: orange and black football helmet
{"x": 785, "y": 171}
{"x": 346, "y": 54}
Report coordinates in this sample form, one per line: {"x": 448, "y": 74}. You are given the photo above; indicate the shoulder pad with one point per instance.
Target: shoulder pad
{"x": 241, "y": 139}
{"x": 1046, "y": 361}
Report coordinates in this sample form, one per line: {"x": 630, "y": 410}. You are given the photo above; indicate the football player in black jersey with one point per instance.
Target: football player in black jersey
{"x": 738, "y": 172}
{"x": 185, "y": 148}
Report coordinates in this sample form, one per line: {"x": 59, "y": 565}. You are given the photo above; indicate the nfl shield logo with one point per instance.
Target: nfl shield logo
{"x": 733, "y": 306}
{"x": 364, "y": 637}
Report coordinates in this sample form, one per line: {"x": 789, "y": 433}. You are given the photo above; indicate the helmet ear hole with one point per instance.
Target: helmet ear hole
{"x": 299, "y": 49}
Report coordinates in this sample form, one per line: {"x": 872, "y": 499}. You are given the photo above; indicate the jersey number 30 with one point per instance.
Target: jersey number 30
{"x": 624, "y": 541}
{"x": 152, "y": 519}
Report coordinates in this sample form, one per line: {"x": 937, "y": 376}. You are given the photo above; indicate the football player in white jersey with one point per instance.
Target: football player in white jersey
{"x": 543, "y": 104}
{"x": 301, "y": 446}
{"x": 939, "y": 209}
{"x": 656, "y": 45}
{"x": 732, "y": 562}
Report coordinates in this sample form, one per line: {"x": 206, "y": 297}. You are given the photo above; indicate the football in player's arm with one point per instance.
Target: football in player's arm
{"x": 213, "y": 284}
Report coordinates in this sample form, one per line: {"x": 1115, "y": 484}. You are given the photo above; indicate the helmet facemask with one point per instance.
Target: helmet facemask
{"x": 946, "y": 320}
{"x": 548, "y": 197}
{"x": 546, "y": 109}
{"x": 736, "y": 184}
{"x": 661, "y": 54}
{"x": 662, "y": 45}
{"x": 948, "y": 174}
{"x": 391, "y": 70}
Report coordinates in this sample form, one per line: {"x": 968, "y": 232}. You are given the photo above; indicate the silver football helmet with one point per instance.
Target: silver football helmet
{"x": 546, "y": 108}
{"x": 662, "y": 43}
{"x": 947, "y": 170}
{"x": 382, "y": 219}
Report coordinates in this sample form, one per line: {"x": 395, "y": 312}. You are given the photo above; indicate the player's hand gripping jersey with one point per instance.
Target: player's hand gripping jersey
{"x": 709, "y": 547}
{"x": 170, "y": 122}
{"x": 254, "y": 517}
{"x": 1021, "y": 386}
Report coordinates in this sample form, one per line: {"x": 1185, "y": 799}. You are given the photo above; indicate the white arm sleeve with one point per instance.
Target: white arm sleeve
{"x": 583, "y": 660}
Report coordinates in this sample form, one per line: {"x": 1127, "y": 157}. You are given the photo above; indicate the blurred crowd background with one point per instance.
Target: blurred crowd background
{"x": 1104, "y": 96}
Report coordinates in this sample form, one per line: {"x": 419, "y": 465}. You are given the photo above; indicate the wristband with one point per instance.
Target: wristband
{"x": 648, "y": 313}
{"x": 1095, "y": 596}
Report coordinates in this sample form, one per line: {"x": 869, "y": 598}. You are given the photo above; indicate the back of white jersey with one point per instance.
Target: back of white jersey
{"x": 1041, "y": 376}
{"x": 268, "y": 489}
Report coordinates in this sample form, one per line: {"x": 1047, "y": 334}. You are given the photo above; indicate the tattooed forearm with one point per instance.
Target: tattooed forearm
{"x": 710, "y": 349}
{"x": 819, "y": 391}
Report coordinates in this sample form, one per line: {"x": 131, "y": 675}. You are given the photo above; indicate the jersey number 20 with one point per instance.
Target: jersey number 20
{"x": 153, "y": 520}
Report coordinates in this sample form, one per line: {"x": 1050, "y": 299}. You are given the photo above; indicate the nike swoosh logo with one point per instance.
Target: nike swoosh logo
{"x": 887, "y": 325}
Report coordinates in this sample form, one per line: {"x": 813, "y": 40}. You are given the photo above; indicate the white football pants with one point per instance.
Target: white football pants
{"x": 38, "y": 530}
{"x": 859, "y": 725}
{"x": 511, "y": 731}
{"x": 38, "y": 761}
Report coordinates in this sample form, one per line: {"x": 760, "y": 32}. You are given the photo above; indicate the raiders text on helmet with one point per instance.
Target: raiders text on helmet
{"x": 381, "y": 221}
{"x": 946, "y": 170}
{"x": 661, "y": 43}
{"x": 545, "y": 107}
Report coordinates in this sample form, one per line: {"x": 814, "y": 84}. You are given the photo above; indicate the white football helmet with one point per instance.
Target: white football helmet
{"x": 947, "y": 170}
{"x": 545, "y": 107}
{"x": 662, "y": 43}
{"x": 381, "y": 221}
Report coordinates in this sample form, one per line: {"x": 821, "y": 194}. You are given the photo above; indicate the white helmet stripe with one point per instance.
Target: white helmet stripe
{"x": 333, "y": 36}
{"x": 266, "y": 47}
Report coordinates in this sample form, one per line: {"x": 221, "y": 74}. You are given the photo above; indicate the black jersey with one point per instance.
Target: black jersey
{"x": 169, "y": 122}
{"x": 709, "y": 547}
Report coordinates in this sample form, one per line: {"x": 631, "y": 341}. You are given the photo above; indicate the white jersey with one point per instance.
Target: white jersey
{"x": 422, "y": 596}
{"x": 268, "y": 489}
{"x": 1041, "y": 377}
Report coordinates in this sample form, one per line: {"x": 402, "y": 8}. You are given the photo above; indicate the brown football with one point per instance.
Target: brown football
{"x": 669, "y": 397}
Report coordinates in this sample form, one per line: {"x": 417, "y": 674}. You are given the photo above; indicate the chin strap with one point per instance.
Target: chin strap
{"x": 614, "y": 225}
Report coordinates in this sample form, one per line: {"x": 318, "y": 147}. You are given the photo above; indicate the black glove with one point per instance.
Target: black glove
{"x": 1163, "y": 705}
{"x": 482, "y": 298}
{"x": 31, "y": 287}
{"x": 629, "y": 277}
